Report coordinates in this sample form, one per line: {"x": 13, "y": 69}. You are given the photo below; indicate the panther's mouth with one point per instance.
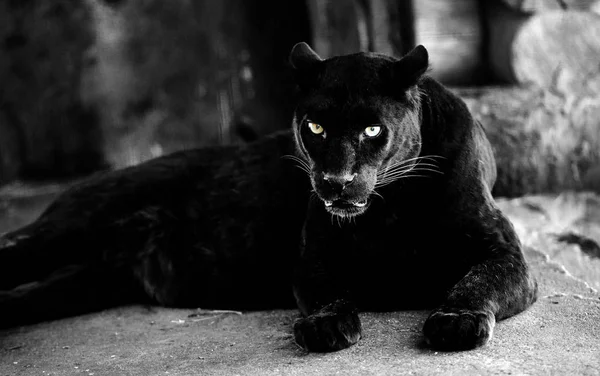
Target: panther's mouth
{"x": 345, "y": 208}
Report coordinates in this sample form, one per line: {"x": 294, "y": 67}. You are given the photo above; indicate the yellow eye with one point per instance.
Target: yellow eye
{"x": 372, "y": 131}
{"x": 315, "y": 128}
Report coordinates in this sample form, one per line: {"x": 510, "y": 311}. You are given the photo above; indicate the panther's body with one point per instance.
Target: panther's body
{"x": 390, "y": 208}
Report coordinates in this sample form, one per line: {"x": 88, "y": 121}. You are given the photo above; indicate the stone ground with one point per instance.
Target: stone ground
{"x": 559, "y": 335}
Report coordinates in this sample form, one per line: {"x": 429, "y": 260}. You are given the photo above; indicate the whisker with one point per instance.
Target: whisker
{"x": 401, "y": 173}
{"x": 314, "y": 196}
{"x": 431, "y": 158}
{"x": 415, "y": 176}
{"x": 301, "y": 163}
{"x": 426, "y": 164}
{"x": 397, "y": 173}
{"x": 422, "y": 157}
{"x": 395, "y": 169}
{"x": 427, "y": 169}
{"x": 375, "y": 193}
{"x": 401, "y": 170}
{"x": 382, "y": 183}
{"x": 386, "y": 182}
{"x": 297, "y": 159}
{"x": 402, "y": 164}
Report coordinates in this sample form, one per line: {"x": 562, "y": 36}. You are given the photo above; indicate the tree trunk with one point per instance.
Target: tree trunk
{"x": 339, "y": 27}
{"x": 452, "y": 33}
{"x": 503, "y": 25}
{"x": 543, "y": 141}
{"x": 534, "y": 6}
{"x": 343, "y": 27}
{"x": 390, "y": 27}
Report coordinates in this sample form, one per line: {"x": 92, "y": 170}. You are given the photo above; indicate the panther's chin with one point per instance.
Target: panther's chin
{"x": 346, "y": 209}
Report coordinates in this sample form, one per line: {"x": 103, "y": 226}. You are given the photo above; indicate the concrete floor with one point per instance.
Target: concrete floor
{"x": 559, "y": 335}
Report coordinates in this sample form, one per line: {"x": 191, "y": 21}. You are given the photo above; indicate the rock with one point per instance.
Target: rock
{"x": 553, "y": 41}
{"x": 535, "y": 48}
{"x": 544, "y": 140}
{"x": 564, "y": 227}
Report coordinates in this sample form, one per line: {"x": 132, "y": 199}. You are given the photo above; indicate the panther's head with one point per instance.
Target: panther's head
{"x": 357, "y": 123}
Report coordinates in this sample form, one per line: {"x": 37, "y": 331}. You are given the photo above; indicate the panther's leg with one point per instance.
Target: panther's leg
{"x": 52, "y": 268}
{"x": 70, "y": 290}
{"x": 330, "y": 319}
{"x": 32, "y": 253}
{"x": 497, "y": 286}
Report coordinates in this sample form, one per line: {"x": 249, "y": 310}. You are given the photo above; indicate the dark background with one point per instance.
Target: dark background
{"x": 95, "y": 84}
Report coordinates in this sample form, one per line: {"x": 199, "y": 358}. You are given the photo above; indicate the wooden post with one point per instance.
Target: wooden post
{"x": 339, "y": 27}
{"x": 503, "y": 23}
{"x": 389, "y": 22}
{"x": 452, "y": 33}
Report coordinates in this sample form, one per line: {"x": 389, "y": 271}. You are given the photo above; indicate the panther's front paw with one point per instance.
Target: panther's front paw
{"x": 458, "y": 329}
{"x": 329, "y": 331}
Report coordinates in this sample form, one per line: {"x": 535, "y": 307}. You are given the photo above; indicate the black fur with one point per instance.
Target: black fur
{"x": 402, "y": 218}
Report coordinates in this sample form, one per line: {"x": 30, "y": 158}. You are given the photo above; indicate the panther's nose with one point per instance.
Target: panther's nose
{"x": 339, "y": 182}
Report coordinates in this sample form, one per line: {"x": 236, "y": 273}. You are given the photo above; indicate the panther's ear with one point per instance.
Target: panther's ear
{"x": 408, "y": 70}
{"x": 306, "y": 66}
{"x": 303, "y": 57}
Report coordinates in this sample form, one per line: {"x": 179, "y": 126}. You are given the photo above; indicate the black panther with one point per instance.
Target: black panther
{"x": 377, "y": 199}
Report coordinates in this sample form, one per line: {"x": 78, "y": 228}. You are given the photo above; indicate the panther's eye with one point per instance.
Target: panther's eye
{"x": 315, "y": 128}
{"x": 373, "y": 130}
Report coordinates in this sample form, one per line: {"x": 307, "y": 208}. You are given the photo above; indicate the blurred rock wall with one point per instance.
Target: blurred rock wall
{"x": 93, "y": 84}
{"x": 45, "y": 128}
{"x": 97, "y": 83}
